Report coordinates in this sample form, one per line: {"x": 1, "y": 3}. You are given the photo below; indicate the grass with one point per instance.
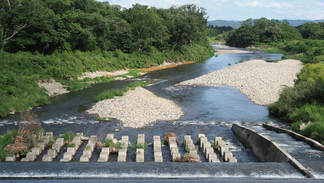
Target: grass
{"x": 7, "y": 138}
{"x": 110, "y": 94}
{"x": 136, "y": 145}
{"x": 68, "y": 136}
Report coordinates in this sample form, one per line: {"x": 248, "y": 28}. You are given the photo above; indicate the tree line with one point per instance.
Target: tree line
{"x": 45, "y": 26}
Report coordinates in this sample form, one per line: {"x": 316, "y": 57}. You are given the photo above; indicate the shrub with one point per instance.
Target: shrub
{"x": 315, "y": 131}
{"x": 68, "y": 136}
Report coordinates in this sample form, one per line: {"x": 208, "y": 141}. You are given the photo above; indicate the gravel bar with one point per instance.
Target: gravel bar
{"x": 137, "y": 108}
{"x": 261, "y": 81}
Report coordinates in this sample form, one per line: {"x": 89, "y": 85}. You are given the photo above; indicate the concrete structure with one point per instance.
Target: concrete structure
{"x": 265, "y": 149}
{"x": 296, "y": 135}
{"x": 191, "y": 148}
{"x": 206, "y": 148}
{"x": 140, "y": 151}
{"x": 157, "y": 149}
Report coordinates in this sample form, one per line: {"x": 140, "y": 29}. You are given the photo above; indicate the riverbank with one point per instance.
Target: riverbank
{"x": 137, "y": 108}
{"x": 261, "y": 81}
{"x": 223, "y": 49}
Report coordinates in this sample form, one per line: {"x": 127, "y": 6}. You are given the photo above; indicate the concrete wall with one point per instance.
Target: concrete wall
{"x": 296, "y": 135}
{"x": 265, "y": 149}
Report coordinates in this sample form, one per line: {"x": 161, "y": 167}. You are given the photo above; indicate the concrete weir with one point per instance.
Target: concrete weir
{"x": 265, "y": 149}
{"x": 296, "y": 135}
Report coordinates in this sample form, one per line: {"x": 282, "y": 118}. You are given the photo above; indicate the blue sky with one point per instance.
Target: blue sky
{"x": 243, "y": 9}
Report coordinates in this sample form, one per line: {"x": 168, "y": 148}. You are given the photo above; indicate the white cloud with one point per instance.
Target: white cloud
{"x": 258, "y": 4}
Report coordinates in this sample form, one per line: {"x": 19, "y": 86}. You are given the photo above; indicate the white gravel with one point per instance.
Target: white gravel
{"x": 52, "y": 87}
{"x": 261, "y": 81}
{"x": 137, "y": 108}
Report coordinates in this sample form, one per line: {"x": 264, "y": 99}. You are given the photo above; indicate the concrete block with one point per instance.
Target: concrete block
{"x": 174, "y": 150}
{"x": 122, "y": 152}
{"x": 60, "y": 141}
{"x": 10, "y": 158}
{"x": 227, "y": 156}
{"x": 215, "y": 161}
{"x": 157, "y": 148}
{"x": 156, "y": 154}
{"x": 193, "y": 152}
{"x": 33, "y": 138}
{"x": 64, "y": 160}
{"x": 71, "y": 150}
{"x": 84, "y": 158}
{"x": 41, "y": 145}
{"x": 156, "y": 138}
{"x": 46, "y": 139}
{"x": 47, "y": 158}
{"x": 79, "y": 134}
{"x": 186, "y": 137}
{"x": 158, "y": 159}
{"x": 105, "y": 149}
{"x": 31, "y": 156}
{"x": 68, "y": 156}
{"x": 232, "y": 160}
{"x": 190, "y": 146}
{"x": 223, "y": 149}
{"x": 103, "y": 158}
{"x": 110, "y": 136}
{"x": 172, "y": 145}
{"x": 94, "y": 138}
{"x": 202, "y": 140}
{"x": 212, "y": 157}
{"x": 141, "y": 138}
{"x": 50, "y": 135}
{"x": 172, "y": 140}
{"x": 205, "y": 145}
{"x": 217, "y": 139}
{"x": 24, "y": 159}
{"x": 87, "y": 153}
{"x": 121, "y": 158}
{"x": 52, "y": 153}
{"x": 57, "y": 147}
{"x": 125, "y": 138}
{"x": 208, "y": 151}
{"x": 36, "y": 150}
{"x": 176, "y": 156}
{"x": 139, "y": 155}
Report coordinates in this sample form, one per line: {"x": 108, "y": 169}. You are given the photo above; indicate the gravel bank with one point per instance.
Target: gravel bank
{"x": 222, "y": 50}
{"x": 259, "y": 80}
{"x": 137, "y": 108}
{"x": 52, "y": 87}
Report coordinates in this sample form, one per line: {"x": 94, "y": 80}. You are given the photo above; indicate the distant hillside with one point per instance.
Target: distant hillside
{"x": 237, "y": 24}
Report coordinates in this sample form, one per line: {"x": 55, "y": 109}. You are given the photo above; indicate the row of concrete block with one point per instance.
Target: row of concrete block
{"x": 190, "y": 147}
{"x": 157, "y": 150}
{"x": 140, "y": 151}
{"x": 89, "y": 148}
{"x": 70, "y": 152}
{"x": 174, "y": 150}
{"x": 224, "y": 151}
{"x": 206, "y": 148}
{"x": 41, "y": 143}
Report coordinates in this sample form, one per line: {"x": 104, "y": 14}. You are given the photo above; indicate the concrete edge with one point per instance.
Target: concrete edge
{"x": 296, "y": 135}
{"x": 265, "y": 149}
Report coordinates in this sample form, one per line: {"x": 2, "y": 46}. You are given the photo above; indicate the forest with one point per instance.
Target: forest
{"x": 61, "y": 39}
{"x": 304, "y": 102}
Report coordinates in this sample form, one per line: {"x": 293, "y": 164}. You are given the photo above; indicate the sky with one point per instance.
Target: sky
{"x": 243, "y": 9}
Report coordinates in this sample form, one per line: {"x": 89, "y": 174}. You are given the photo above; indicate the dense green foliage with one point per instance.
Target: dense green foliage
{"x": 6, "y": 139}
{"x": 68, "y": 25}
{"x": 112, "y": 93}
{"x": 61, "y": 39}
{"x": 261, "y": 31}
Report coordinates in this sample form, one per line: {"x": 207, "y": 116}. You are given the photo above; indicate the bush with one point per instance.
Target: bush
{"x": 315, "y": 131}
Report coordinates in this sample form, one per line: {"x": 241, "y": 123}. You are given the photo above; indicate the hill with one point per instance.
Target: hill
{"x": 237, "y": 24}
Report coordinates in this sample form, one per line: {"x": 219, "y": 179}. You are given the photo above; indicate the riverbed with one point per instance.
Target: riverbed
{"x": 207, "y": 110}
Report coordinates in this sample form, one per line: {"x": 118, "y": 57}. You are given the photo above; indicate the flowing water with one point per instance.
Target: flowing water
{"x": 208, "y": 110}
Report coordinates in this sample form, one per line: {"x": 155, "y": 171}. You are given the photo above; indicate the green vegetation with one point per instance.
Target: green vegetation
{"x": 305, "y": 101}
{"x": 68, "y": 136}
{"x": 112, "y": 93}
{"x": 62, "y": 39}
{"x": 6, "y": 139}
{"x": 136, "y": 145}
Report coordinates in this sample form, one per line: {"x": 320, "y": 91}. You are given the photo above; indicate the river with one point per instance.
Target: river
{"x": 208, "y": 110}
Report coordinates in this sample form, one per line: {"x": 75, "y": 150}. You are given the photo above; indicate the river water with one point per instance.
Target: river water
{"x": 208, "y": 110}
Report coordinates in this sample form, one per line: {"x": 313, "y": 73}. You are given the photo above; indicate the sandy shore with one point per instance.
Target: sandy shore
{"x": 52, "y": 87}
{"x": 137, "y": 108}
{"x": 261, "y": 81}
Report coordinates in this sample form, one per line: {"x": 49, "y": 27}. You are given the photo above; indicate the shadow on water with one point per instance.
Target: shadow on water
{"x": 210, "y": 111}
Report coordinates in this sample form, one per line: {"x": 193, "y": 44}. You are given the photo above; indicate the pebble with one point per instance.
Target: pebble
{"x": 137, "y": 108}
{"x": 261, "y": 81}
